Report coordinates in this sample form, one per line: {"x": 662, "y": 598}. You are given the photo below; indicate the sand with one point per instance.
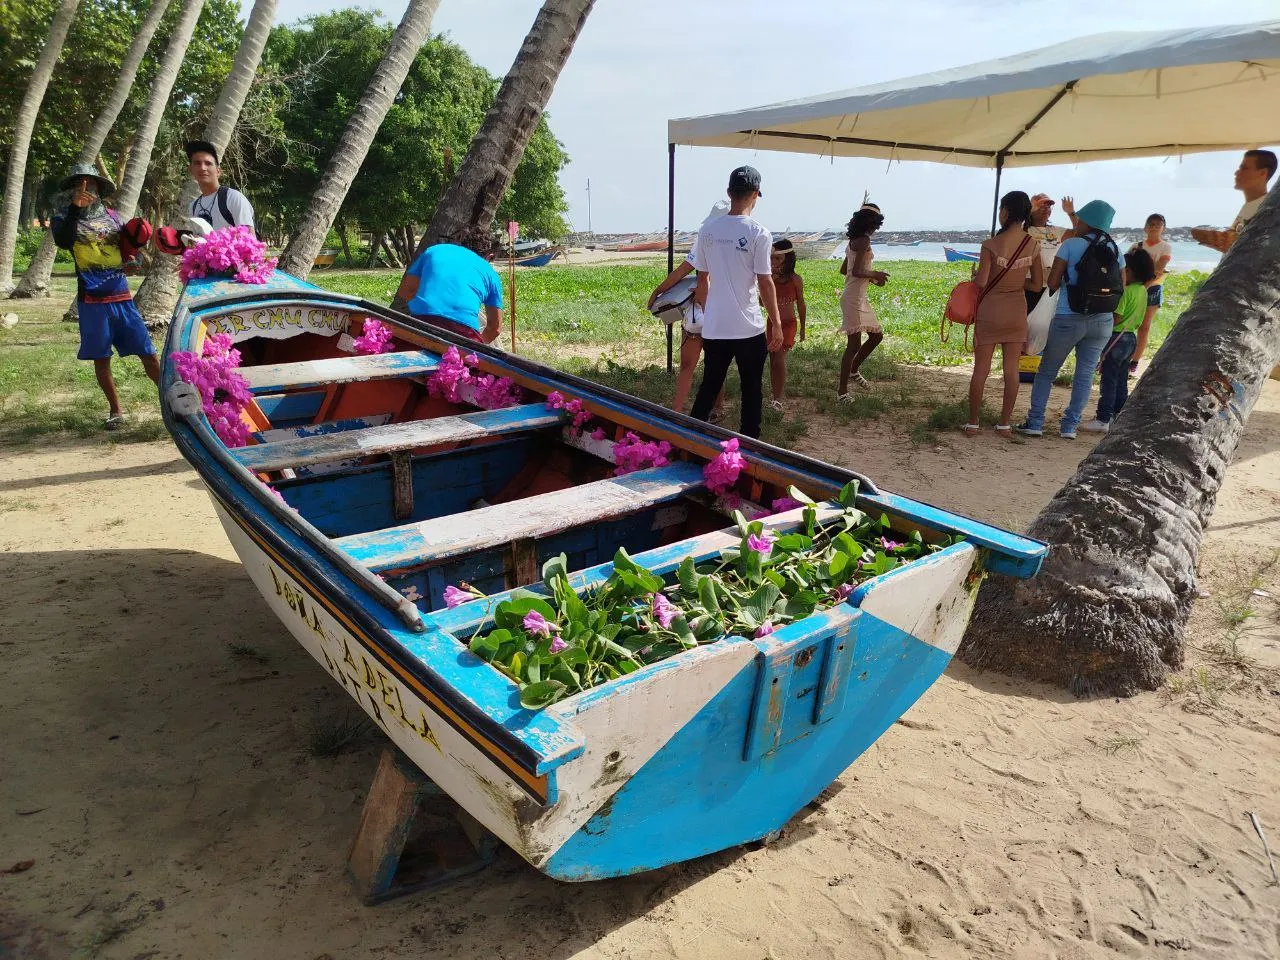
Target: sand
{"x": 164, "y": 790}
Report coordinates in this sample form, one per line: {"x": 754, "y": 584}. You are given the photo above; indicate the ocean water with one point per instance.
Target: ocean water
{"x": 1186, "y": 255}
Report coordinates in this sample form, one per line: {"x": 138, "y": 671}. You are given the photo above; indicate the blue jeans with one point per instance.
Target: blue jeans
{"x": 1114, "y": 390}
{"x": 1086, "y": 335}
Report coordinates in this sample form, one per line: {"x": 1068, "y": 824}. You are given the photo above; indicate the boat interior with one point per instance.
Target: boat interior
{"x": 427, "y": 493}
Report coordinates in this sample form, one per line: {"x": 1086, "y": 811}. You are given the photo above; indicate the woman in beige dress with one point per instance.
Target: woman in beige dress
{"x": 855, "y": 310}
{"x": 1009, "y": 265}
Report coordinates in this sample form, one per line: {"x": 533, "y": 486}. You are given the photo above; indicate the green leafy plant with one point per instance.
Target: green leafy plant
{"x": 557, "y": 645}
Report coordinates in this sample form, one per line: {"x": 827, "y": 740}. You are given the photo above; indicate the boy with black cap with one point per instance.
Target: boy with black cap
{"x": 735, "y": 250}
{"x": 104, "y": 247}
{"x": 217, "y": 205}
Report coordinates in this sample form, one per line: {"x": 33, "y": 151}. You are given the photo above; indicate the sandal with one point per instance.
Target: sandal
{"x": 971, "y": 429}
{"x": 844, "y": 398}
{"x": 1004, "y": 429}
{"x": 113, "y": 422}
{"x": 858, "y": 380}
{"x": 776, "y": 404}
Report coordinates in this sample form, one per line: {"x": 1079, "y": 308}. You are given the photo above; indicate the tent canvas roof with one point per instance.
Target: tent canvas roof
{"x": 1103, "y": 97}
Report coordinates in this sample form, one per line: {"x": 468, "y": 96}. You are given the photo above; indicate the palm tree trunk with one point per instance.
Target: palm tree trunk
{"x": 158, "y": 294}
{"x": 470, "y": 201}
{"x": 20, "y": 143}
{"x": 1107, "y": 612}
{"x": 35, "y": 282}
{"x": 362, "y": 127}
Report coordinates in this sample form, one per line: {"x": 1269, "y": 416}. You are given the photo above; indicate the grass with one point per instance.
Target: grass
{"x": 334, "y": 734}
{"x": 1198, "y": 690}
{"x": 1117, "y": 744}
{"x": 246, "y": 651}
{"x": 1236, "y": 616}
{"x": 588, "y": 320}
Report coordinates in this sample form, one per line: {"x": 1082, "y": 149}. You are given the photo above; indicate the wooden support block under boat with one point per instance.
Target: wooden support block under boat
{"x": 311, "y": 374}
{"x": 427, "y": 541}
{"x": 370, "y": 441}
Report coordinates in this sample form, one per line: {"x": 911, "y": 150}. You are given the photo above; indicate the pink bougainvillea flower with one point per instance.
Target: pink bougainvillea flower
{"x": 453, "y": 597}
{"x": 631, "y": 454}
{"x": 375, "y": 337}
{"x": 766, "y": 628}
{"x": 783, "y": 504}
{"x": 598, "y": 433}
{"x": 449, "y": 376}
{"x": 233, "y": 252}
{"x": 890, "y": 544}
{"x": 558, "y": 645}
{"x": 223, "y": 392}
{"x": 493, "y": 393}
{"x": 535, "y": 622}
{"x": 664, "y": 611}
{"x": 841, "y": 593}
{"x": 761, "y": 543}
{"x": 722, "y": 472}
{"x": 555, "y": 400}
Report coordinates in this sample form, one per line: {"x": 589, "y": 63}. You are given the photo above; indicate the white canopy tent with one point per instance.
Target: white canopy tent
{"x": 1104, "y": 97}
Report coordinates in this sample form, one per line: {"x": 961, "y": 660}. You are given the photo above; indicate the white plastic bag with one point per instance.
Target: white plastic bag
{"x": 1038, "y": 321}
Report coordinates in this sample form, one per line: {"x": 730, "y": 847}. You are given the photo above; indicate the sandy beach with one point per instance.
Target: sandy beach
{"x": 161, "y": 784}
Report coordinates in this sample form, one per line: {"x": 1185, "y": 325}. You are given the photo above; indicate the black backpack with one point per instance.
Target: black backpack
{"x": 1099, "y": 278}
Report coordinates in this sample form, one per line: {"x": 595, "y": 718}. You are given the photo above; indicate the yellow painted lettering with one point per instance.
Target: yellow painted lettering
{"x": 346, "y": 653}
{"x": 377, "y": 712}
{"x": 426, "y": 733}
{"x": 315, "y": 622}
{"x": 262, "y": 319}
{"x": 237, "y": 323}
{"x": 370, "y": 676}
{"x": 276, "y": 581}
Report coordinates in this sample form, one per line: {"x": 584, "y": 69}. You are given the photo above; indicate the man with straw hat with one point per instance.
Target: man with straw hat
{"x": 1091, "y": 269}
{"x": 104, "y": 247}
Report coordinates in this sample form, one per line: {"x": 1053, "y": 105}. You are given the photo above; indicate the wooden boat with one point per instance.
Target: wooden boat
{"x": 361, "y": 497}
{"x": 540, "y": 259}
{"x": 640, "y": 246}
{"x": 959, "y": 256}
{"x": 895, "y": 243}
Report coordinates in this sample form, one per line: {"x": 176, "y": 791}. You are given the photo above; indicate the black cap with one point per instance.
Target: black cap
{"x": 745, "y": 180}
{"x": 192, "y": 147}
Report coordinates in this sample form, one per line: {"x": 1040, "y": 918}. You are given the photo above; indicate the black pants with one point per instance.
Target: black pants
{"x": 750, "y": 355}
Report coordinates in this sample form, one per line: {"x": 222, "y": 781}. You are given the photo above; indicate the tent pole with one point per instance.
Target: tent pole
{"x": 995, "y": 204}
{"x": 671, "y": 235}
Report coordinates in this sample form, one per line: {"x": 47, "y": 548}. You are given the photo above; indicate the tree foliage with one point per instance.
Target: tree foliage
{"x": 310, "y": 80}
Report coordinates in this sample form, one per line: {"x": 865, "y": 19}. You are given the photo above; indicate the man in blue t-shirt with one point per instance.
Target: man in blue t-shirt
{"x": 448, "y": 284}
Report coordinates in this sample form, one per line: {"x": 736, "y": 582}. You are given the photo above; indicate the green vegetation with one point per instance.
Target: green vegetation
{"x": 589, "y": 321}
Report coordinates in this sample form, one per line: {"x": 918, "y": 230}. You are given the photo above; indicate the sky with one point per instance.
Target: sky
{"x": 638, "y": 63}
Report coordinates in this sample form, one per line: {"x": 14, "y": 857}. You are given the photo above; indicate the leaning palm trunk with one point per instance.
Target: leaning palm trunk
{"x": 356, "y": 139}
{"x": 470, "y": 201}
{"x": 20, "y": 143}
{"x": 35, "y": 282}
{"x": 158, "y": 294}
{"x": 1107, "y": 612}
{"x": 144, "y": 137}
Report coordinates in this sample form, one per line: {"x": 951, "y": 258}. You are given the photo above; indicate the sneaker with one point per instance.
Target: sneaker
{"x": 1095, "y": 426}
{"x": 1067, "y": 433}
{"x": 1027, "y": 430}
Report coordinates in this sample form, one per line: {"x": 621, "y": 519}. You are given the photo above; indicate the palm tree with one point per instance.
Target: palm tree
{"x": 470, "y": 201}
{"x": 1107, "y": 612}
{"x": 352, "y": 148}
{"x": 158, "y": 294}
{"x": 20, "y": 145}
{"x": 35, "y": 282}
{"x": 144, "y": 137}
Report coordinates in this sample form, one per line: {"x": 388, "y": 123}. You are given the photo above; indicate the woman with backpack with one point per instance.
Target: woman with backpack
{"x": 1091, "y": 269}
{"x": 1009, "y": 266}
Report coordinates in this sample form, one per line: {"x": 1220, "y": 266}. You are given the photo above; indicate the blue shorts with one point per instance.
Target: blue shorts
{"x": 107, "y": 325}
{"x": 1155, "y": 295}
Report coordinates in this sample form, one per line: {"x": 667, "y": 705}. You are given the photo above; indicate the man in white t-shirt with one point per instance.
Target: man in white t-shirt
{"x": 734, "y": 277}
{"x": 217, "y": 205}
{"x": 1255, "y": 170}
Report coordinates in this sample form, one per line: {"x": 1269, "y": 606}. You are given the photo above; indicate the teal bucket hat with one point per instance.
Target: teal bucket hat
{"x": 1097, "y": 214}
{"x": 105, "y": 186}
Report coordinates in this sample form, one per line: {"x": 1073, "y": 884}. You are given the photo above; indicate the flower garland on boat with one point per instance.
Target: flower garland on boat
{"x": 234, "y": 252}
{"x": 454, "y": 380}
{"x": 558, "y": 645}
{"x": 223, "y": 392}
{"x": 375, "y": 337}
{"x": 631, "y": 454}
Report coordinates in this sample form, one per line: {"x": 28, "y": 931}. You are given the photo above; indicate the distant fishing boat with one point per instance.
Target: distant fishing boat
{"x": 960, "y": 256}
{"x": 363, "y": 495}
{"x": 895, "y": 243}
{"x": 540, "y": 259}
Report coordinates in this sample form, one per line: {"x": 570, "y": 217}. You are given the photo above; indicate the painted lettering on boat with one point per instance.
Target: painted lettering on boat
{"x": 279, "y": 322}
{"x": 365, "y": 679}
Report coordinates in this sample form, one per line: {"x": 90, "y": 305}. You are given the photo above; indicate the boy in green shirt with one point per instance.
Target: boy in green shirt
{"x": 1139, "y": 270}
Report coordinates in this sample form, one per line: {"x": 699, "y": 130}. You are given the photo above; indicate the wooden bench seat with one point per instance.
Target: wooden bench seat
{"x": 370, "y": 441}
{"x": 310, "y": 374}
{"x": 429, "y": 541}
